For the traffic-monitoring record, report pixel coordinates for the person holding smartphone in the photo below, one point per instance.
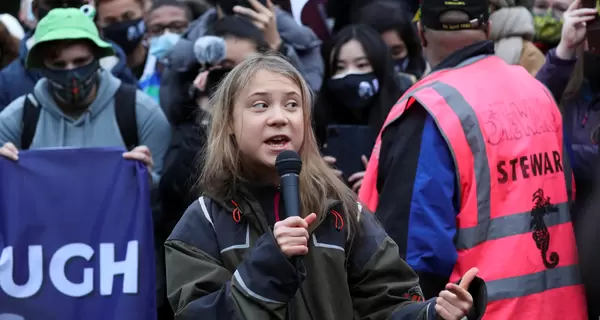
(572, 73)
(298, 43)
(360, 86)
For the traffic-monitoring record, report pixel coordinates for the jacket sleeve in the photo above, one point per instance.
(199, 285)
(555, 74)
(417, 206)
(302, 48)
(11, 122)
(380, 281)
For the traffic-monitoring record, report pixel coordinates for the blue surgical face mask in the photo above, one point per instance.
(161, 45)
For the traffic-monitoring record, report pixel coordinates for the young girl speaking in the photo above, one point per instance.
(230, 256)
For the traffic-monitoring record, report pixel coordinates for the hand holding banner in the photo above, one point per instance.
(75, 236)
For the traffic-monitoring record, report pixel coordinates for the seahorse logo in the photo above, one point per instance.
(541, 235)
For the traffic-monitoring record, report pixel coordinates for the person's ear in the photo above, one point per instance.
(421, 32)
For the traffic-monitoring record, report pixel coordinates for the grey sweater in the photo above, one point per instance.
(95, 128)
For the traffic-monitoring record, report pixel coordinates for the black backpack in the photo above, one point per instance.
(124, 113)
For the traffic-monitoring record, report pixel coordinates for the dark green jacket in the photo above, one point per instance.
(221, 265)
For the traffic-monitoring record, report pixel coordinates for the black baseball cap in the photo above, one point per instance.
(431, 10)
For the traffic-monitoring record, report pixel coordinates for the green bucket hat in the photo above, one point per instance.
(65, 24)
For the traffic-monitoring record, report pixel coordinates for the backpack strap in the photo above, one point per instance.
(31, 115)
(125, 105)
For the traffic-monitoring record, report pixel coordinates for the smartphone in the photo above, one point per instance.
(227, 5)
(347, 144)
(593, 27)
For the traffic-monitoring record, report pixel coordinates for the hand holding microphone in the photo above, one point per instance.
(291, 233)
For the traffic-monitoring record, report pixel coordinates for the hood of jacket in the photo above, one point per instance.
(510, 26)
(116, 64)
(108, 86)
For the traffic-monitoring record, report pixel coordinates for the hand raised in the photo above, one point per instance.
(574, 29)
(264, 18)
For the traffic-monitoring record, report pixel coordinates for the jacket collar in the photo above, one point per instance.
(480, 48)
(245, 200)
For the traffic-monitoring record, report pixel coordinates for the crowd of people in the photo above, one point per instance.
(449, 148)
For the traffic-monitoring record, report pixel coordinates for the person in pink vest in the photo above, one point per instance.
(469, 171)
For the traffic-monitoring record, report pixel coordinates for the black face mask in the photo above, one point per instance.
(401, 64)
(127, 34)
(356, 90)
(73, 87)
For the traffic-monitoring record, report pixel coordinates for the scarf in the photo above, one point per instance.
(510, 26)
(149, 82)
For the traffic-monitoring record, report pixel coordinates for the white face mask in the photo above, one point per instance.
(160, 46)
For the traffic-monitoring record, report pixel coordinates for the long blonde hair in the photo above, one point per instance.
(222, 166)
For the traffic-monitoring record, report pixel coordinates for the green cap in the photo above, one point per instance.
(65, 24)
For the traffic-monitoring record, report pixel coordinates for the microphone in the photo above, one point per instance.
(288, 165)
(209, 50)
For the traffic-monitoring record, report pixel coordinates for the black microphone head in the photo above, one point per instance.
(287, 162)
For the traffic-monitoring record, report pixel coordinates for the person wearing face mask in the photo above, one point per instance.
(122, 21)
(513, 33)
(283, 34)
(79, 104)
(359, 88)
(241, 39)
(166, 21)
(394, 24)
(573, 76)
(16, 80)
(548, 20)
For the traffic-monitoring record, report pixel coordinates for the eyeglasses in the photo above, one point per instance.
(175, 27)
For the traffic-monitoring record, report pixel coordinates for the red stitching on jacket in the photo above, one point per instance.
(237, 213)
